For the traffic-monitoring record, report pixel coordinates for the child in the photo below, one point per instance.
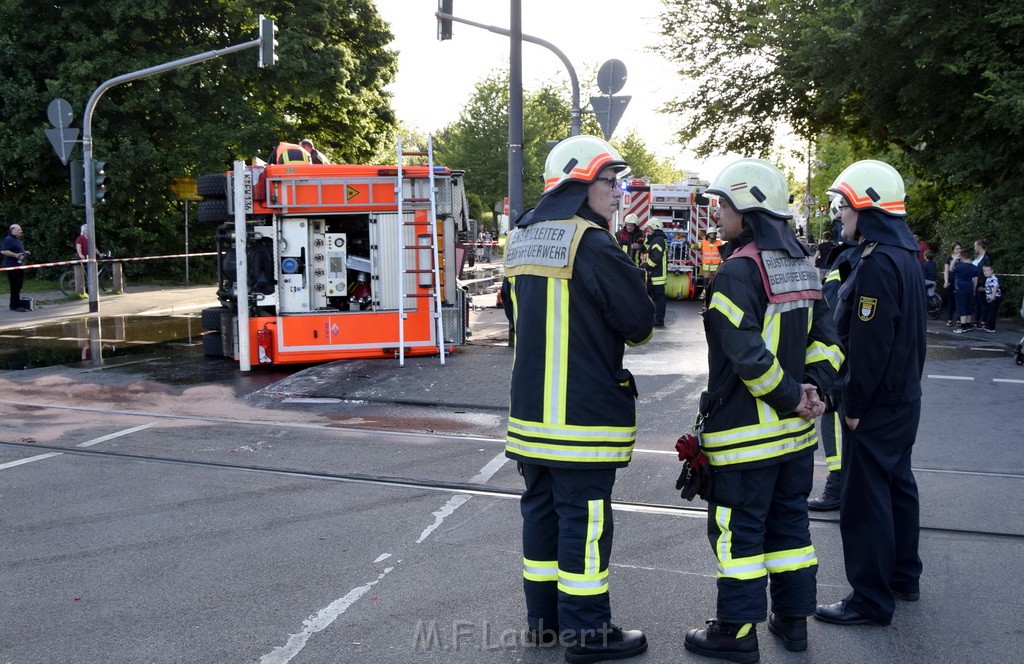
(930, 271)
(993, 296)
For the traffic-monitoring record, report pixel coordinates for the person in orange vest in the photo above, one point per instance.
(710, 259)
(288, 153)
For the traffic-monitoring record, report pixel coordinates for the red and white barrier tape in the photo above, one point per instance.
(103, 260)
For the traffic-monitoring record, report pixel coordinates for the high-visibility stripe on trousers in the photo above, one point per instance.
(567, 540)
(758, 527)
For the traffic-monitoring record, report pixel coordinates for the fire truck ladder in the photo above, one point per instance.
(434, 290)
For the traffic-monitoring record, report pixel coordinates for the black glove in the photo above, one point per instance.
(696, 478)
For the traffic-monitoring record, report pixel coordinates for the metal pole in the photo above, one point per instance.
(90, 182)
(186, 240)
(515, 112)
(575, 113)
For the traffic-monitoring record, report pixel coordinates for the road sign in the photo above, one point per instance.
(609, 111)
(184, 189)
(62, 137)
(611, 77)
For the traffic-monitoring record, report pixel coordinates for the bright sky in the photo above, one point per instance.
(436, 79)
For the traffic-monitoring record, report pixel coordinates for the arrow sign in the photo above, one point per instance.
(609, 111)
(62, 138)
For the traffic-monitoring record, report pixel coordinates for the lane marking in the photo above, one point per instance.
(321, 621)
(382, 557)
(310, 400)
(940, 377)
(493, 466)
(454, 503)
(12, 464)
(988, 349)
(1008, 380)
(116, 434)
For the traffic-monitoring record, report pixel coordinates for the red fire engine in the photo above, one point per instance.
(686, 216)
(341, 261)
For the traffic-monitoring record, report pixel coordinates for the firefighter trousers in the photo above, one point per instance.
(657, 295)
(759, 530)
(830, 435)
(567, 540)
(879, 511)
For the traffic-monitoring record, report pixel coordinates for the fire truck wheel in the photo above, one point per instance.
(213, 185)
(212, 211)
(213, 344)
(212, 318)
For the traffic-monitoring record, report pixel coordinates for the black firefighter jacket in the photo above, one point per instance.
(759, 353)
(574, 299)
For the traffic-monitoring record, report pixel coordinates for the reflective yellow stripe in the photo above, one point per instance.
(833, 275)
(598, 433)
(750, 567)
(595, 528)
(790, 560)
(727, 307)
(556, 351)
(569, 453)
(820, 352)
(583, 584)
(767, 381)
(834, 461)
(800, 439)
(540, 570)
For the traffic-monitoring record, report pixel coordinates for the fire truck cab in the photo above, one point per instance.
(341, 261)
(686, 217)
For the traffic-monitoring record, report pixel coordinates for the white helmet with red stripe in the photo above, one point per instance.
(753, 184)
(580, 159)
(870, 184)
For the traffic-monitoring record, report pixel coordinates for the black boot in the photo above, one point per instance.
(610, 643)
(829, 499)
(736, 642)
(792, 631)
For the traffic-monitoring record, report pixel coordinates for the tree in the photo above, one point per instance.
(937, 87)
(329, 85)
(644, 163)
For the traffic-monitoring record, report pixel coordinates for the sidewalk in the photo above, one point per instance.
(135, 301)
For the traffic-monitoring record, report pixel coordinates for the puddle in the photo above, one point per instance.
(92, 341)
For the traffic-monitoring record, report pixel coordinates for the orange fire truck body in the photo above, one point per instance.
(342, 261)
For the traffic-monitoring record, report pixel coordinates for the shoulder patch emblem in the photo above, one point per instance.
(866, 310)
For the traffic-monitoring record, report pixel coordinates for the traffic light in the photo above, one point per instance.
(444, 25)
(99, 180)
(78, 182)
(268, 42)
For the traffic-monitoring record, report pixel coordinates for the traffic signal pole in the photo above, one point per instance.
(92, 280)
(515, 120)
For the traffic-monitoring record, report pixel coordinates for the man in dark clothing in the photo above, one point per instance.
(14, 255)
(657, 269)
(772, 346)
(315, 156)
(881, 322)
(574, 300)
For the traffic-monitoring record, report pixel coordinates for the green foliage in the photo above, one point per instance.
(328, 85)
(934, 87)
(645, 163)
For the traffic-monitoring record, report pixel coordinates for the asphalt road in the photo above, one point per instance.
(166, 509)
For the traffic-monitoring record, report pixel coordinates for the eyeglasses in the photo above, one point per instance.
(612, 182)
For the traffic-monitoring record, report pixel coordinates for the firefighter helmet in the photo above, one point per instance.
(580, 159)
(654, 224)
(753, 184)
(870, 183)
(631, 219)
(713, 230)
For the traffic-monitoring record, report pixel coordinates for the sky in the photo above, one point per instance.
(436, 79)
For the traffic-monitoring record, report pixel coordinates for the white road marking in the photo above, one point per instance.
(12, 464)
(989, 350)
(940, 377)
(488, 471)
(321, 621)
(116, 434)
(454, 503)
(1008, 380)
(382, 557)
(310, 400)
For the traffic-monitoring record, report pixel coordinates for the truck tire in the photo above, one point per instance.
(212, 211)
(213, 185)
(213, 344)
(212, 318)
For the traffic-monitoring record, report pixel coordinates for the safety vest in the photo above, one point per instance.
(290, 153)
(574, 305)
(710, 258)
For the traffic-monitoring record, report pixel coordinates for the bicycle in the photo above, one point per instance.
(105, 276)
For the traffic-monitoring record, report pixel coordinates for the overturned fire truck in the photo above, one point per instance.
(686, 216)
(341, 261)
